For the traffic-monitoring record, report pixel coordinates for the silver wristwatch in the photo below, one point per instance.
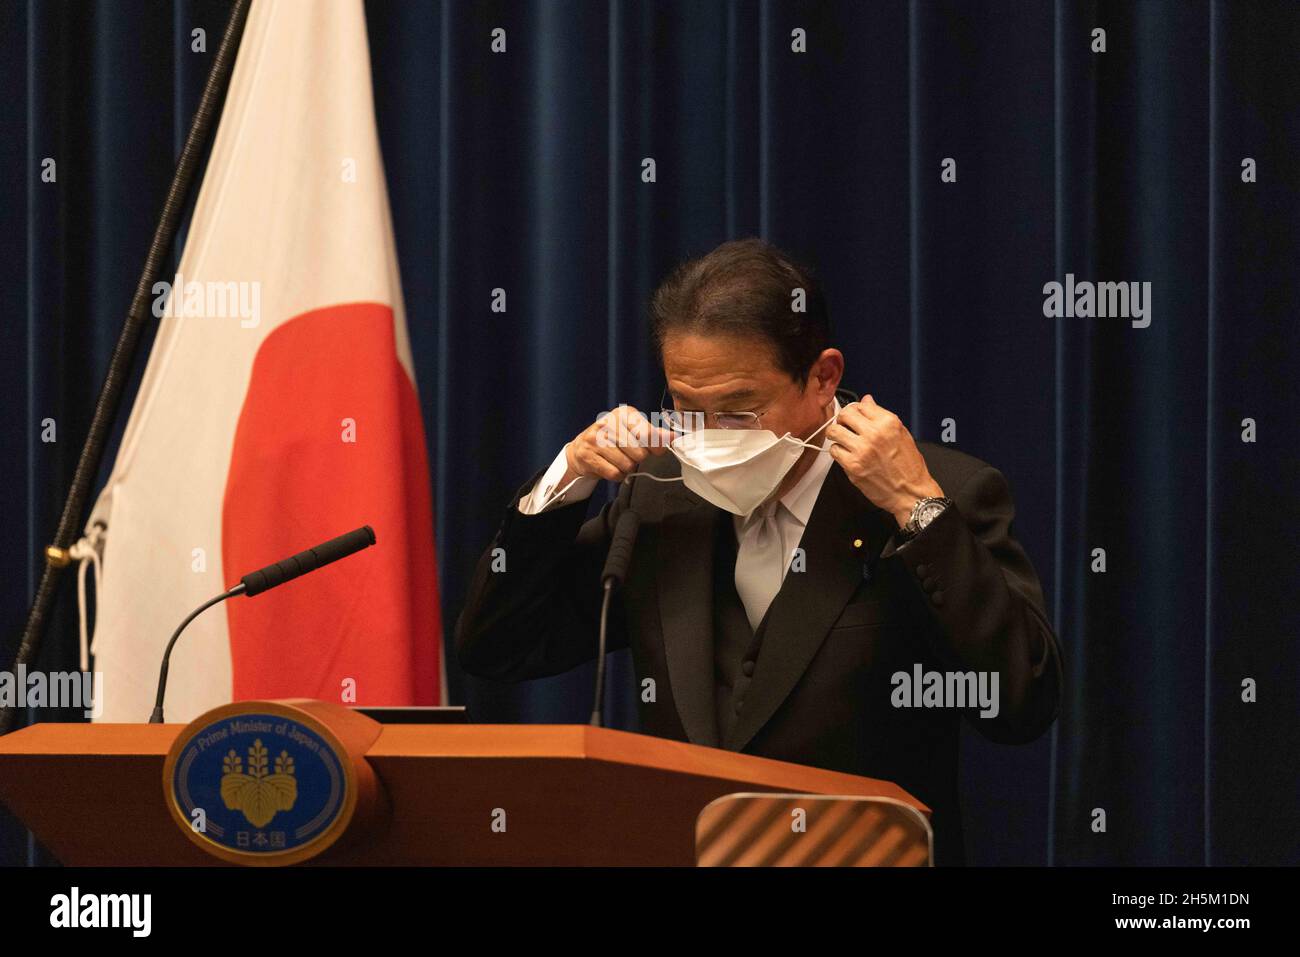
(923, 513)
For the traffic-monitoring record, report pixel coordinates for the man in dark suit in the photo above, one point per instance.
(812, 560)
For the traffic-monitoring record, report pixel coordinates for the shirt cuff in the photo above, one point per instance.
(545, 495)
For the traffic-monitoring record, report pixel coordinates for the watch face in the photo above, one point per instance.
(926, 513)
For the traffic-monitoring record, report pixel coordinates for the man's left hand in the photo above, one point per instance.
(880, 458)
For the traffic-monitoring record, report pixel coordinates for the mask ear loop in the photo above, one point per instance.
(558, 493)
(806, 444)
(784, 438)
(657, 478)
(679, 478)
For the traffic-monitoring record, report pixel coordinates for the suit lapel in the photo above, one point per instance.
(685, 592)
(809, 602)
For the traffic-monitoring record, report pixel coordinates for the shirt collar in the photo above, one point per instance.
(799, 501)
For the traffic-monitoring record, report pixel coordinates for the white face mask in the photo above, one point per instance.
(737, 469)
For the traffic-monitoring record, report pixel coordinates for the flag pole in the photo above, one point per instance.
(57, 555)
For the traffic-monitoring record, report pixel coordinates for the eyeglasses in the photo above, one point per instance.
(690, 421)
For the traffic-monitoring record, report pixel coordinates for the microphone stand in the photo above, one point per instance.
(157, 716)
(616, 564)
(599, 705)
(264, 579)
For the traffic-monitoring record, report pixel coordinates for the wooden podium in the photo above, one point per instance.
(93, 794)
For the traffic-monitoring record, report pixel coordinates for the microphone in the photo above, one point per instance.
(263, 579)
(615, 570)
(313, 558)
(620, 549)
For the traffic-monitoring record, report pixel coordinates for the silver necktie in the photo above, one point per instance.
(759, 564)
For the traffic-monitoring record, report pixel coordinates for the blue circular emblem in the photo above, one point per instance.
(258, 784)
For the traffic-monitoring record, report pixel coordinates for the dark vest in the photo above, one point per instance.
(735, 643)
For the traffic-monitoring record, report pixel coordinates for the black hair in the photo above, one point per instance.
(745, 288)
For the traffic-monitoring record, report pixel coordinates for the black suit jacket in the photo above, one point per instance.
(961, 596)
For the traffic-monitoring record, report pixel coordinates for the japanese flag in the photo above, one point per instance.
(278, 410)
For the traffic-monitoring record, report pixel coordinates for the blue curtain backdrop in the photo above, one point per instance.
(522, 170)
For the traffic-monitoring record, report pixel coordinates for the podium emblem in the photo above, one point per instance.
(259, 783)
(258, 793)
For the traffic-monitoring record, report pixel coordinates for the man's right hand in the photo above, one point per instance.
(614, 445)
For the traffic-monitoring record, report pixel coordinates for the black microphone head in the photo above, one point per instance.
(290, 568)
(620, 548)
(629, 523)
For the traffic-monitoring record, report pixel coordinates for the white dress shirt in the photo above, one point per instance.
(545, 495)
(792, 513)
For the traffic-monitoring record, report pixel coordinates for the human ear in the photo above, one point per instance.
(826, 373)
